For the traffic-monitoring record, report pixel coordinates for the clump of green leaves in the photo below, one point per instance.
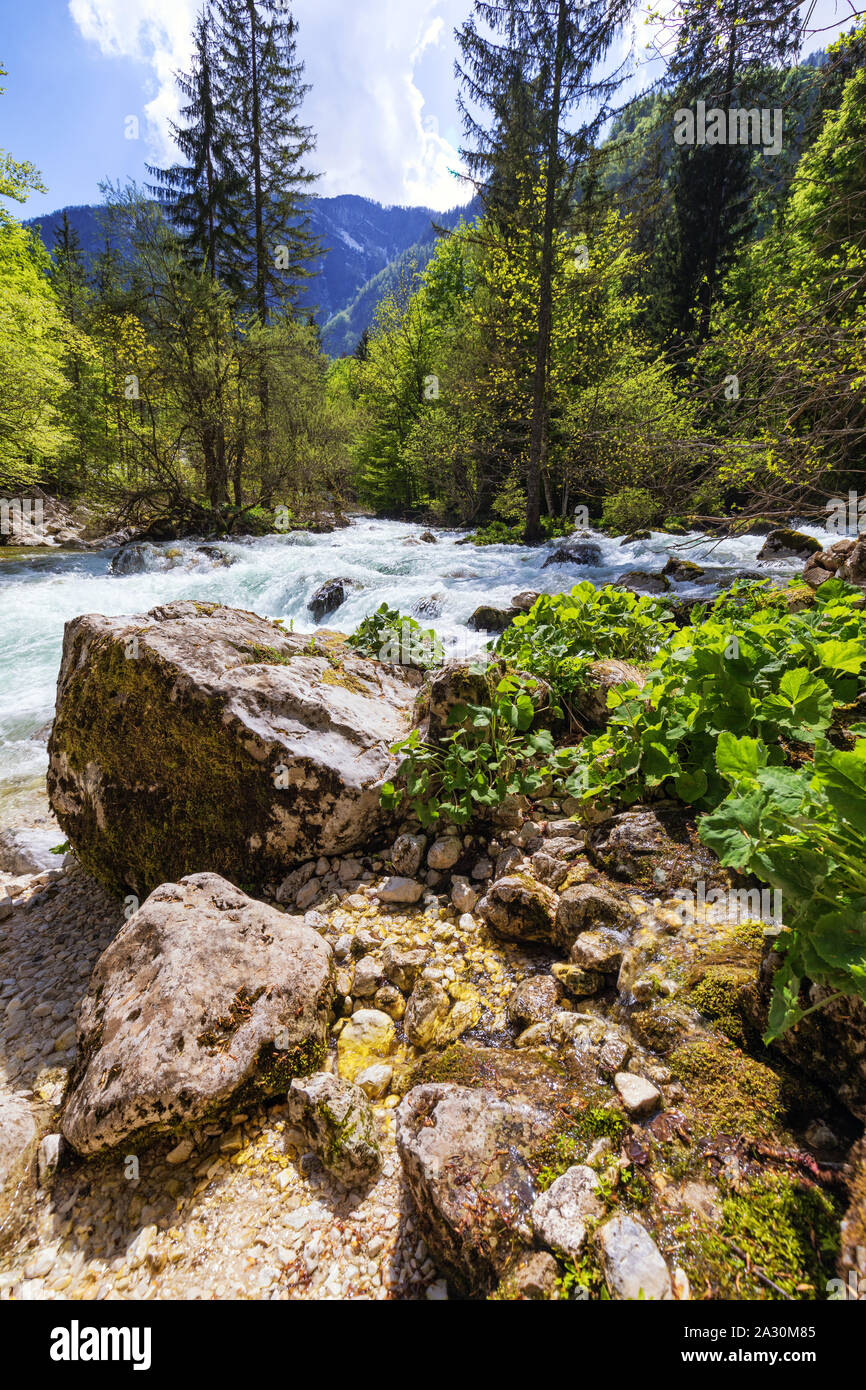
(389, 635)
(756, 671)
(802, 831)
(491, 754)
(563, 634)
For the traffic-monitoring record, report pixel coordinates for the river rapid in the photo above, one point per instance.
(276, 576)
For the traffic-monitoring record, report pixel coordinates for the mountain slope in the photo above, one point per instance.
(360, 238)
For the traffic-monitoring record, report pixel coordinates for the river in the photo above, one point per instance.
(275, 576)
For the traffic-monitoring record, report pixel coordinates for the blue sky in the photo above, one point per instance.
(382, 101)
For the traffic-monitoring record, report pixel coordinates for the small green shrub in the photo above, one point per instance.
(630, 509)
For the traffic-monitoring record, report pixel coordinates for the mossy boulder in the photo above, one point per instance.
(785, 544)
(204, 999)
(199, 737)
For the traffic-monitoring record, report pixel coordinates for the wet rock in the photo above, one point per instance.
(402, 967)
(560, 1214)
(158, 715)
(682, 571)
(399, 890)
(519, 908)
(137, 558)
(368, 1037)
(633, 1266)
(652, 845)
(329, 597)
(639, 1096)
(429, 607)
(525, 600)
(597, 951)
(784, 544)
(533, 1001)
(374, 1081)
(407, 853)
(853, 567)
(585, 907)
(490, 619)
(466, 1160)
(578, 982)
(640, 581)
(48, 1158)
(367, 977)
(427, 538)
(575, 553)
(339, 1126)
(204, 996)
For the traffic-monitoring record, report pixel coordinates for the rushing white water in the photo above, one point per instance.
(276, 576)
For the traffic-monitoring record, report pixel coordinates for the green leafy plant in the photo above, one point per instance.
(563, 634)
(490, 755)
(802, 831)
(390, 635)
(757, 671)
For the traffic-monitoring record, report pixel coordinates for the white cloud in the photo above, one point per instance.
(378, 131)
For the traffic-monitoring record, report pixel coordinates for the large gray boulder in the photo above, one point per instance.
(467, 1159)
(205, 998)
(202, 737)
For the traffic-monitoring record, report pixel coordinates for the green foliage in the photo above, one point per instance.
(492, 753)
(630, 509)
(766, 674)
(563, 634)
(802, 831)
(389, 635)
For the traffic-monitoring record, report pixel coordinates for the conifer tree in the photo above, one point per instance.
(260, 91)
(538, 59)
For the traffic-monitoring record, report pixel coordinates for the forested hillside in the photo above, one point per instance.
(651, 324)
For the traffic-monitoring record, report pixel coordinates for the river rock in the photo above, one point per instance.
(519, 908)
(560, 1214)
(525, 600)
(533, 1001)
(339, 1126)
(466, 1159)
(399, 890)
(652, 845)
(784, 544)
(444, 853)
(642, 582)
(575, 553)
(633, 1266)
(639, 1096)
(204, 998)
(488, 618)
(584, 907)
(199, 737)
(426, 1012)
(853, 567)
(329, 597)
(407, 852)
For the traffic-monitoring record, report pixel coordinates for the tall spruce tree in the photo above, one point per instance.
(722, 53)
(534, 66)
(199, 195)
(260, 91)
